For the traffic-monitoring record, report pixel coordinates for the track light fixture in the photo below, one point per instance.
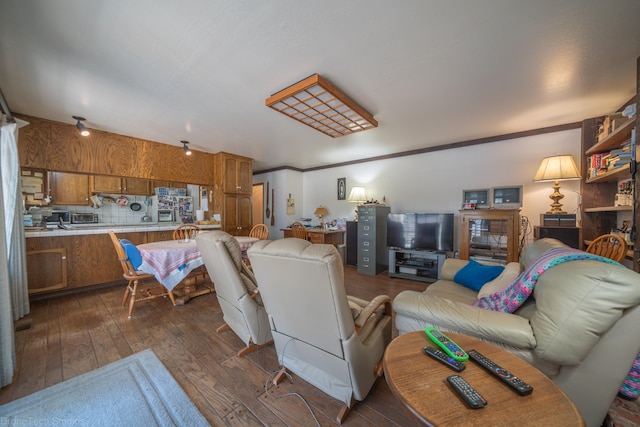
(185, 147)
(83, 130)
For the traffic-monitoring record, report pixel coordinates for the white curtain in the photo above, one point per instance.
(14, 295)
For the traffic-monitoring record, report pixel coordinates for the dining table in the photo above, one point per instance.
(171, 262)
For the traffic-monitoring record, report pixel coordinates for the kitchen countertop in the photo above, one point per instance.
(80, 229)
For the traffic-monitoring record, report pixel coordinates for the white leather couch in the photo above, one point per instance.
(580, 325)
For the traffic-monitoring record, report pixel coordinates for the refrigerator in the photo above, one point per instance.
(182, 207)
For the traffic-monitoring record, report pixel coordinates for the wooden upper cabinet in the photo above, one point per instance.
(117, 185)
(237, 174)
(106, 184)
(137, 186)
(69, 188)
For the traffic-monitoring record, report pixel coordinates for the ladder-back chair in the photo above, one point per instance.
(130, 273)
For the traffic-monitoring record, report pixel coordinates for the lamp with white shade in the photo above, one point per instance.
(357, 195)
(557, 168)
(320, 212)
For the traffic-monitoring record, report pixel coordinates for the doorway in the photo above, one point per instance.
(257, 207)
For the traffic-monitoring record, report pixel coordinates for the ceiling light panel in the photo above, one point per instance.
(317, 103)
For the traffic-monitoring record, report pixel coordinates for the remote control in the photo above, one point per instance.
(512, 381)
(468, 393)
(443, 357)
(446, 344)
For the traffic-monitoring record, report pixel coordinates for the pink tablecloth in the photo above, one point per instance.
(170, 261)
(246, 241)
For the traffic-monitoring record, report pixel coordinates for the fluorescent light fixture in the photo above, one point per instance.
(83, 130)
(185, 147)
(317, 103)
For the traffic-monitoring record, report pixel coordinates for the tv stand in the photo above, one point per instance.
(423, 266)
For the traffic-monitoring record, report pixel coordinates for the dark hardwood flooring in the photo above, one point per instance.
(76, 333)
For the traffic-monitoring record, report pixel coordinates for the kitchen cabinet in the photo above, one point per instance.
(490, 235)
(74, 261)
(69, 188)
(117, 185)
(237, 173)
(159, 236)
(168, 184)
(237, 214)
(47, 270)
(232, 192)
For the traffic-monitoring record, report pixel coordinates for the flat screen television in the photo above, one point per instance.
(420, 231)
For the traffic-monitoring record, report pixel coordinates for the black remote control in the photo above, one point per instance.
(443, 357)
(468, 393)
(511, 380)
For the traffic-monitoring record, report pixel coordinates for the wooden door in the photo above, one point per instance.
(257, 204)
(230, 215)
(230, 184)
(244, 215)
(244, 177)
(69, 188)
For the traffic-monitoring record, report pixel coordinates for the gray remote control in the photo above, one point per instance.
(468, 393)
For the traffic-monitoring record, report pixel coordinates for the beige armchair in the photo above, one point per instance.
(236, 289)
(579, 327)
(327, 338)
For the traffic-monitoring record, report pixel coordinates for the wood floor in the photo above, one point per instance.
(74, 334)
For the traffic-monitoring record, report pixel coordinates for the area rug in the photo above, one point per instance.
(135, 391)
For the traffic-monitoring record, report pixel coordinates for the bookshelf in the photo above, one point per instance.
(600, 215)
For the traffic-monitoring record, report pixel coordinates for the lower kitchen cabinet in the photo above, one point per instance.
(47, 269)
(88, 260)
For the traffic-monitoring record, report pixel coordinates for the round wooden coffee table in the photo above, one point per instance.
(419, 381)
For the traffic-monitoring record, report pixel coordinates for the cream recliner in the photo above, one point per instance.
(580, 326)
(236, 289)
(331, 340)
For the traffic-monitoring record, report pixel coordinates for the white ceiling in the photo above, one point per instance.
(430, 72)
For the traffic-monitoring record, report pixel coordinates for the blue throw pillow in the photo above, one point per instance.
(133, 253)
(475, 275)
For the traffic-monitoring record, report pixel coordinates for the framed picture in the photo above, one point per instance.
(342, 188)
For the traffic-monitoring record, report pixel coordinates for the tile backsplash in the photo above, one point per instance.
(111, 213)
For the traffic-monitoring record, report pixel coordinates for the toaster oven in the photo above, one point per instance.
(84, 218)
(165, 215)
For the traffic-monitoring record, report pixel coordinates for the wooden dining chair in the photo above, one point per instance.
(611, 246)
(132, 293)
(259, 231)
(299, 230)
(186, 231)
(189, 232)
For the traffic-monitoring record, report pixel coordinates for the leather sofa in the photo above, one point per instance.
(579, 327)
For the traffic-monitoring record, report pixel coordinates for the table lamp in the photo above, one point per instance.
(320, 212)
(358, 196)
(556, 169)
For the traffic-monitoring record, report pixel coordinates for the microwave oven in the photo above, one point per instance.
(58, 218)
(165, 215)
